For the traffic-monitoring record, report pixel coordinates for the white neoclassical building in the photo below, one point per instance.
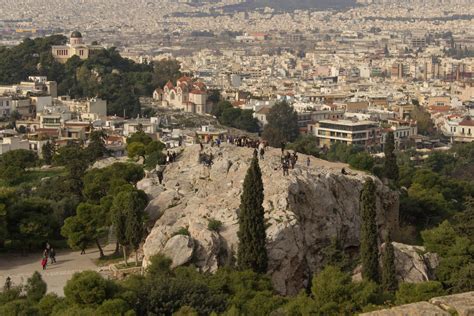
(75, 47)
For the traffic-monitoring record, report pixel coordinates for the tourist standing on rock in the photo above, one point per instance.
(282, 147)
(285, 167)
(160, 175)
(308, 161)
(262, 153)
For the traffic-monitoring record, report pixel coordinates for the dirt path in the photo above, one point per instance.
(19, 268)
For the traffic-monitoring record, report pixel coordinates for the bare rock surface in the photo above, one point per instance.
(413, 264)
(180, 249)
(458, 304)
(304, 210)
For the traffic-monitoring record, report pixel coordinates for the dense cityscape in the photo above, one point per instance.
(237, 157)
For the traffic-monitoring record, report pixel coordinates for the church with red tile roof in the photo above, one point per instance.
(187, 94)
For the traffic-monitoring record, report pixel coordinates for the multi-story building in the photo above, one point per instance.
(5, 106)
(351, 132)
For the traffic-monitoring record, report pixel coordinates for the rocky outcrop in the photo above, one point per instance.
(413, 264)
(458, 304)
(179, 249)
(304, 210)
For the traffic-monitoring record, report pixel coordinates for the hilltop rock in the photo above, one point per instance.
(304, 210)
(458, 304)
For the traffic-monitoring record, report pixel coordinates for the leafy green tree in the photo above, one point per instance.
(389, 274)
(368, 232)
(165, 70)
(362, 161)
(229, 116)
(127, 215)
(31, 221)
(19, 307)
(305, 144)
(136, 150)
(35, 287)
(88, 288)
(113, 307)
(48, 152)
(20, 158)
(415, 292)
(139, 137)
(96, 148)
(47, 304)
(390, 164)
(186, 311)
(154, 146)
(334, 292)
(88, 225)
(220, 107)
(282, 125)
(252, 253)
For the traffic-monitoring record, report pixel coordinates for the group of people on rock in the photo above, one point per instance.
(170, 157)
(50, 253)
(288, 161)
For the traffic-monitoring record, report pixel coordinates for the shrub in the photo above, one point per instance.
(214, 225)
(182, 231)
(411, 292)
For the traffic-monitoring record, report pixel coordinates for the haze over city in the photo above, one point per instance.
(237, 157)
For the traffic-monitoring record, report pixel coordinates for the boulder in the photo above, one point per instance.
(304, 210)
(180, 249)
(413, 264)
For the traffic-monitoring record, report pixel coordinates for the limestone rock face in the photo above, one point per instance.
(180, 249)
(458, 304)
(304, 210)
(412, 264)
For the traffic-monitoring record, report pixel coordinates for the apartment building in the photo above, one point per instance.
(351, 132)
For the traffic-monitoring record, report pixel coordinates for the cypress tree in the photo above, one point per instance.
(48, 152)
(252, 253)
(368, 233)
(389, 278)
(390, 165)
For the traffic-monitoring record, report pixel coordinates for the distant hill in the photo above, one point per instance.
(290, 5)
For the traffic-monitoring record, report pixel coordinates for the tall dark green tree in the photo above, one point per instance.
(282, 125)
(389, 274)
(368, 233)
(48, 152)
(252, 253)
(127, 218)
(390, 165)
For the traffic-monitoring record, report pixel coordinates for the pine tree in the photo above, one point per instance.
(252, 253)
(368, 233)
(390, 166)
(35, 287)
(389, 278)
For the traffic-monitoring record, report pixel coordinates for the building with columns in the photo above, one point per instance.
(75, 47)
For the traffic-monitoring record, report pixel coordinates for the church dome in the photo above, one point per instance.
(76, 34)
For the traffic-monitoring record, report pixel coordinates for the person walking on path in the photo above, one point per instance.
(44, 262)
(52, 255)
